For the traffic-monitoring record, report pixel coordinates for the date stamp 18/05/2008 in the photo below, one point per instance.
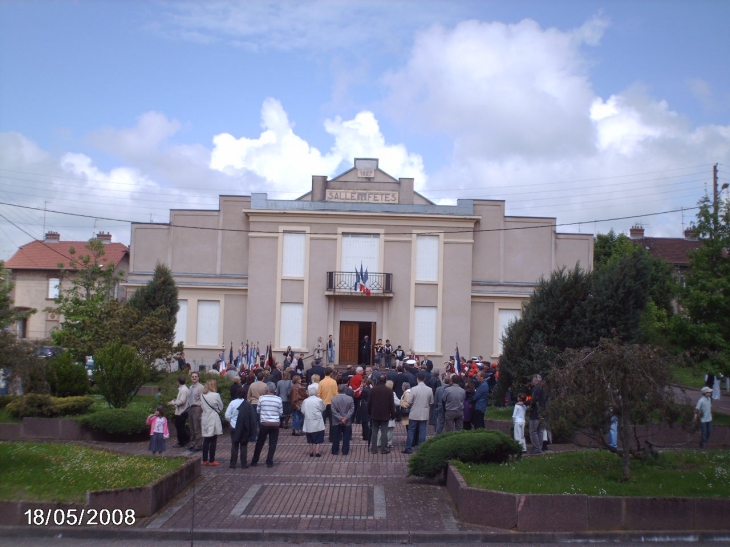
(80, 517)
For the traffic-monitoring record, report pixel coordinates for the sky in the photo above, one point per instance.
(601, 114)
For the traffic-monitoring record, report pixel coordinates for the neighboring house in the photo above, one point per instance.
(289, 271)
(674, 250)
(36, 278)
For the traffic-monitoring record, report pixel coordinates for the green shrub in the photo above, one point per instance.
(119, 372)
(116, 421)
(6, 399)
(71, 406)
(33, 405)
(478, 446)
(65, 377)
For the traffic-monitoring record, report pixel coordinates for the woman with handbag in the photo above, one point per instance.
(405, 404)
(212, 404)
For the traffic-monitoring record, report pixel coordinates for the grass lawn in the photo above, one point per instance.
(147, 403)
(686, 376)
(685, 473)
(501, 413)
(65, 472)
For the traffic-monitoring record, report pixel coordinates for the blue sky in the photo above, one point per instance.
(578, 110)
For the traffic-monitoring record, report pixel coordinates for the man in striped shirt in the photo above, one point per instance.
(270, 410)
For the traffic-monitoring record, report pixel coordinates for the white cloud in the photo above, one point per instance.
(527, 127)
(287, 162)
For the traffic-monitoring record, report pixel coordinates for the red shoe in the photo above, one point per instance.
(213, 463)
(205, 463)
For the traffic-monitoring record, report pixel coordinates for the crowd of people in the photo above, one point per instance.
(320, 401)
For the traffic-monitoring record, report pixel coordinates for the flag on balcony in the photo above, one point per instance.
(457, 359)
(230, 354)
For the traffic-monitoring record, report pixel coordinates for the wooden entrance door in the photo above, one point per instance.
(349, 343)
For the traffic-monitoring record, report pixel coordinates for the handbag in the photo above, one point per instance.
(405, 406)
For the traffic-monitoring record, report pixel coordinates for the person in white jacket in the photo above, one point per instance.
(313, 409)
(212, 404)
(518, 419)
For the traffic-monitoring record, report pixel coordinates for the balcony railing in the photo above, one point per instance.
(375, 284)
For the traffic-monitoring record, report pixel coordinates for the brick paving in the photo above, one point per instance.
(357, 492)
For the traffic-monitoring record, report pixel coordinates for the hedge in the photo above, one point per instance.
(35, 405)
(117, 421)
(475, 446)
(5, 400)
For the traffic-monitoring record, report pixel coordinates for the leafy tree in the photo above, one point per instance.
(703, 325)
(88, 303)
(575, 309)
(17, 357)
(66, 378)
(119, 372)
(630, 381)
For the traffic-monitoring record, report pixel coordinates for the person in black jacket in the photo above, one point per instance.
(381, 409)
(365, 351)
(245, 430)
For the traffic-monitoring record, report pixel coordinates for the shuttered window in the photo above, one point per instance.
(505, 318)
(293, 254)
(427, 258)
(424, 329)
(209, 322)
(360, 250)
(290, 325)
(181, 322)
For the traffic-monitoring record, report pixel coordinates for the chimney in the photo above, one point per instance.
(636, 232)
(104, 237)
(52, 237)
(690, 233)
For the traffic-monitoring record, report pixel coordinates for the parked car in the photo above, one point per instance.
(46, 352)
(89, 366)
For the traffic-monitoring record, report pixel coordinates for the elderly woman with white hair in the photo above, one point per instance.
(313, 408)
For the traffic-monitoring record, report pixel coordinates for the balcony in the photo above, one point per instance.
(353, 284)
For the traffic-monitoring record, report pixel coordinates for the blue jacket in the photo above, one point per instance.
(480, 397)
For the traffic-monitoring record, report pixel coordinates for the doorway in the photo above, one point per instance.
(351, 334)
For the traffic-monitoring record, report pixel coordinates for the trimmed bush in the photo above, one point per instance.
(476, 446)
(116, 421)
(71, 406)
(33, 405)
(65, 377)
(6, 399)
(119, 372)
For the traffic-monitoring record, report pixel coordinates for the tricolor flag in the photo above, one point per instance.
(457, 364)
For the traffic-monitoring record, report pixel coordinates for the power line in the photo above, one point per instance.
(389, 233)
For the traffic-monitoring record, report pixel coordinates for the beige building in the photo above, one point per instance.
(36, 276)
(360, 254)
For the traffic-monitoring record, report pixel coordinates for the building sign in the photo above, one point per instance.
(361, 196)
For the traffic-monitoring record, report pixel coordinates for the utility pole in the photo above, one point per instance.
(714, 193)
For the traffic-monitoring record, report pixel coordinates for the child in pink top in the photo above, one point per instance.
(158, 430)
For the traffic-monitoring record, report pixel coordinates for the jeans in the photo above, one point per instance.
(382, 426)
(413, 425)
(297, 420)
(272, 432)
(536, 430)
(331, 355)
(440, 419)
(388, 360)
(453, 420)
(706, 429)
(209, 444)
(345, 433)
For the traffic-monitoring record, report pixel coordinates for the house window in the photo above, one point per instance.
(54, 285)
(290, 325)
(505, 318)
(424, 329)
(208, 322)
(427, 258)
(293, 254)
(22, 328)
(181, 322)
(360, 251)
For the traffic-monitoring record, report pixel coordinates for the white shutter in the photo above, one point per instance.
(290, 325)
(208, 322)
(360, 249)
(53, 287)
(427, 258)
(181, 322)
(293, 252)
(424, 329)
(505, 318)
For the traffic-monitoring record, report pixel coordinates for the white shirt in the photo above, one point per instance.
(518, 415)
(232, 411)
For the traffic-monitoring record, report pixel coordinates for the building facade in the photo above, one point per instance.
(360, 254)
(36, 275)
